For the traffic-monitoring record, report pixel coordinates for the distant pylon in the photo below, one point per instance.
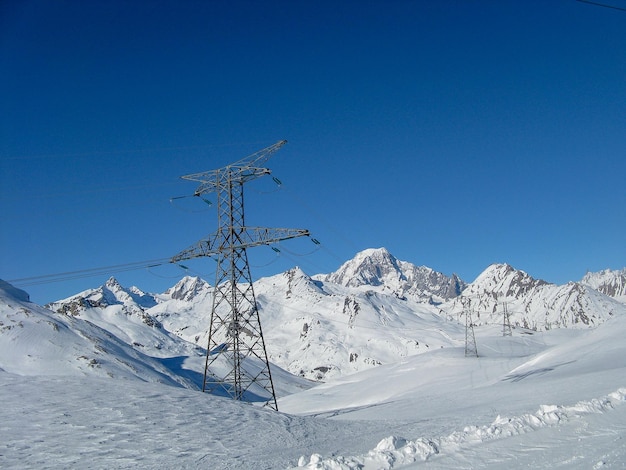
(506, 321)
(236, 359)
(470, 338)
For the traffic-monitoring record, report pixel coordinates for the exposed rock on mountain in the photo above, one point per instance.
(132, 302)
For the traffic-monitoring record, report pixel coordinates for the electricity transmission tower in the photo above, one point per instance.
(470, 338)
(236, 361)
(506, 321)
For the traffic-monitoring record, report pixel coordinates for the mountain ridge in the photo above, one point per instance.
(377, 267)
(611, 282)
(532, 303)
(374, 309)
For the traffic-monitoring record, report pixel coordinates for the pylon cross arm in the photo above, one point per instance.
(246, 237)
(224, 178)
(241, 171)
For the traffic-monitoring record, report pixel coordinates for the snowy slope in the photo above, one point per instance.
(313, 328)
(531, 303)
(337, 324)
(321, 330)
(125, 314)
(434, 403)
(422, 406)
(128, 315)
(318, 330)
(34, 341)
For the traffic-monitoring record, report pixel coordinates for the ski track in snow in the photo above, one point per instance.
(398, 452)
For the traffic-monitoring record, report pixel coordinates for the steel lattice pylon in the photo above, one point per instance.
(236, 359)
(470, 338)
(506, 321)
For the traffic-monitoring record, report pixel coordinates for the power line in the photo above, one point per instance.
(119, 152)
(602, 5)
(111, 269)
(84, 273)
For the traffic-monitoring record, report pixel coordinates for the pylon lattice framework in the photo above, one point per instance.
(470, 338)
(506, 321)
(236, 361)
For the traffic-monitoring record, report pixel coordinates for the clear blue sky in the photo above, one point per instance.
(454, 133)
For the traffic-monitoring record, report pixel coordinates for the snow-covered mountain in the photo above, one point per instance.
(188, 289)
(438, 409)
(314, 329)
(531, 303)
(125, 313)
(373, 310)
(608, 281)
(321, 330)
(35, 341)
(377, 269)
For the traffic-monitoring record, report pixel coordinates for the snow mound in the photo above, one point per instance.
(394, 451)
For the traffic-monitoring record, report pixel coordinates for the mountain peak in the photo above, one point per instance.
(112, 292)
(377, 268)
(113, 284)
(532, 303)
(501, 271)
(109, 293)
(188, 288)
(296, 272)
(13, 292)
(368, 267)
(379, 253)
(608, 281)
(504, 280)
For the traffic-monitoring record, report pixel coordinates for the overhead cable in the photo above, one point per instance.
(82, 273)
(602, 5)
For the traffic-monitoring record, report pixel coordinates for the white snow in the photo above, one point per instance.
(445, 408)
(103, 388)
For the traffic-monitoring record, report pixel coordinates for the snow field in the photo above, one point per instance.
(394, 451)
